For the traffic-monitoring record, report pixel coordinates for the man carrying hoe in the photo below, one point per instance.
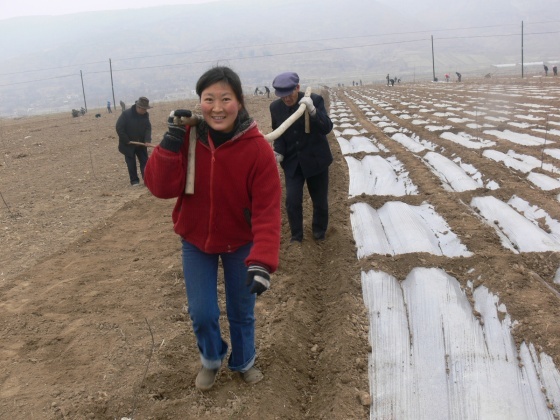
(134, 126)
(304, 157)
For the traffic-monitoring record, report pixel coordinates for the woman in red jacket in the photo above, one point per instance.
(233, 215)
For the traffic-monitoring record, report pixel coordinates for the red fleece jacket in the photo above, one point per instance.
(236, 196)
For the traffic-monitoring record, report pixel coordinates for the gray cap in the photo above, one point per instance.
(285, 83)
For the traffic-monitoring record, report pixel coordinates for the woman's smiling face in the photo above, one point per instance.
(220, 106)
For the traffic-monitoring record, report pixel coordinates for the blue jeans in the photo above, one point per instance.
(201, 280)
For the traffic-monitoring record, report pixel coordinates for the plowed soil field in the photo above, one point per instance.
(92, 301)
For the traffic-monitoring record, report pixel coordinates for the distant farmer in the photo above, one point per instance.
(304, 157)
(267, 90)
(545, 69)
(446, 77)
(123, 106)
(109, 107)
(257, 91)
(134, 125)
(388, 78)
(555, 70)
(458, 76)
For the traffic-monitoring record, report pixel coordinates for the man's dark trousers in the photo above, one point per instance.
(318, 187)
(142, 153)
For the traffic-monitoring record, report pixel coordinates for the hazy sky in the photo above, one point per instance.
(14, 8)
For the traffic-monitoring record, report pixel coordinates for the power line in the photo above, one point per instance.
(493, 36)
(308, 51)
(283, 43)
(51, 68)
(221, 59)
(269, 55)
(273, 44)
(544, 21)
(285, 53)
(40, 80)
(541, 33)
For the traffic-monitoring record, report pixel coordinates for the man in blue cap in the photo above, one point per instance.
(304, 157)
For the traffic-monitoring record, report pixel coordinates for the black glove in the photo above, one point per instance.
(175, 136)
(181, 113)
(258, 279)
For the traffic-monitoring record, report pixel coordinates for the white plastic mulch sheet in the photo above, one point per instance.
(517, 232)
(433, 359)
(356, 144)
(413, 143)
(519, 162)
(547, 132)
(519, 138)
(374, 175)
(544, 182)
(453, 177)
(555, 153)
(399, 228)
(536, 215)
(438, 127)
(467, 140)
(346, 132)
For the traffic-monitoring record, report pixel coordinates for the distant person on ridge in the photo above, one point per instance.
(458, 76)
(123, 106)
(545, 69)
(134, 125)
(388, 78)
(555, 70)
(267, 90)
(109, 107)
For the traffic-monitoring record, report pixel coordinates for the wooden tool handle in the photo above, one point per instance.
(284, 126)
(307, 128)
(189, 186)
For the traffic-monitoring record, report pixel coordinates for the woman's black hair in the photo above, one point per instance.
(221, 74)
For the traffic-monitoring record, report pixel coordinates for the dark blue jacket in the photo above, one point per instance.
(311, 151)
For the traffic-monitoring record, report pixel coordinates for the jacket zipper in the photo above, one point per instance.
(211, 210)
(212, 162)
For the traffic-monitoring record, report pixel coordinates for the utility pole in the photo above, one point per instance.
(433, 62)
(83, 90)
(522, 49)
(112, 87)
